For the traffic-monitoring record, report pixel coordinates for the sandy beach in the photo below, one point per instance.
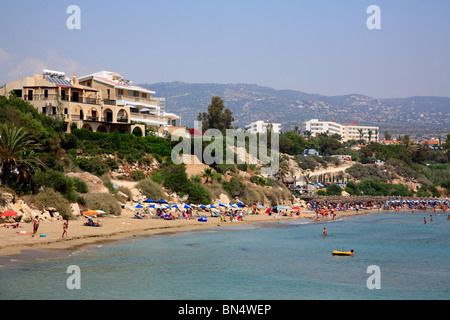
(13, 241)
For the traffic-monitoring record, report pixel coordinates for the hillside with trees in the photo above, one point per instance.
(45, 167)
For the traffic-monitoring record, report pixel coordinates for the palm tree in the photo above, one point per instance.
(360, 134)
(369, 132)
(208, 174)
(17, 154)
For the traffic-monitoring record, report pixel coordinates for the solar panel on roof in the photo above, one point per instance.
(58, 81)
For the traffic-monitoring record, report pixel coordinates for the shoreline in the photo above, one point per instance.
(124, 227)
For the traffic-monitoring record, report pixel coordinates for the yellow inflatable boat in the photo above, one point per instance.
(343, 253)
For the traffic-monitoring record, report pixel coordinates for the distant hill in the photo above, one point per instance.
(420, 117)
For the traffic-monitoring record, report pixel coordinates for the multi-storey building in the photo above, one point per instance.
(346, 131)
(102, 102)
(263, 126)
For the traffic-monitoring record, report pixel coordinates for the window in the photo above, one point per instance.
(46, 93)
(120, 92)
(144, 95)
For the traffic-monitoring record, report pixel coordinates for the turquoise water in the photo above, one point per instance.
(289, 260)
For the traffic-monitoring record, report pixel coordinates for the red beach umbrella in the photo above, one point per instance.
(8, 213)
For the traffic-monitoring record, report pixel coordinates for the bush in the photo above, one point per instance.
(51, 198)
(137, 175)
(198, 194)
(103, 201)
(175, 178)
(54, 179)
(334, 190)
(233, 187)
(151, 189)
(80, 185)
(93, 165)
(157, 177)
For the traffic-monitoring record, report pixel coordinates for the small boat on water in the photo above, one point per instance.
(343, 253)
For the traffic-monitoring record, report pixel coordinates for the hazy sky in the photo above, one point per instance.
(315, 46)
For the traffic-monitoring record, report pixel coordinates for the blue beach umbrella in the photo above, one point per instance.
(222, 205)
(187, 206)
(203, 206)
(161, 201)
(138, 206)
(240, 205)
(149, 200)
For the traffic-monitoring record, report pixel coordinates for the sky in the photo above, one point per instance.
(314, 46)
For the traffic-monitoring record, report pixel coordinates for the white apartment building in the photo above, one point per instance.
(263, 126)
(346, 131)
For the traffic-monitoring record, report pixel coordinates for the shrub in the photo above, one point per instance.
(107, 183)
(157, 177)
(151, 189)
(233, 187)
(198, 194)
(54, 179)
(103, 201)
(51, 198)
(175, 178)
(80, 185)
(334, 190)
(92, 165)
(137, 175)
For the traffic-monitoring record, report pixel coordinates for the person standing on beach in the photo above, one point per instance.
(35, 224)
(65, 227)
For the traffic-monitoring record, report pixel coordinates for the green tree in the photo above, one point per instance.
(217, 116)
(208, 174)
(17, 152)
(334, 190)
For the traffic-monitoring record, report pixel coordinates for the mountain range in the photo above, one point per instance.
(420, 117)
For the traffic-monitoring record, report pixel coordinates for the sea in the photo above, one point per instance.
(397, 257)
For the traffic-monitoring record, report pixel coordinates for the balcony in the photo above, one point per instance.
(54, 97)
(109, 102)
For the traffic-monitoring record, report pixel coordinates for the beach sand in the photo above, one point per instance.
(120, 227)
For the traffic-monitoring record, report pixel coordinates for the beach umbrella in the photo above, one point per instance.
(203, 206)
(211, 206)
(222, 205)
(260, 206)
(8, 213)
(149, 200)
(175, 206)
(139, 206)
(186, 206)
(90, 213)
(241, 205)
(296, 208)
(161, 201)
(101, 211)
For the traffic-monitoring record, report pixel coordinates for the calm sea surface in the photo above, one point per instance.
(285, 260)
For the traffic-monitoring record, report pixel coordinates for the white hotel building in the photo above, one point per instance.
(263, 126)
(346, 131)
